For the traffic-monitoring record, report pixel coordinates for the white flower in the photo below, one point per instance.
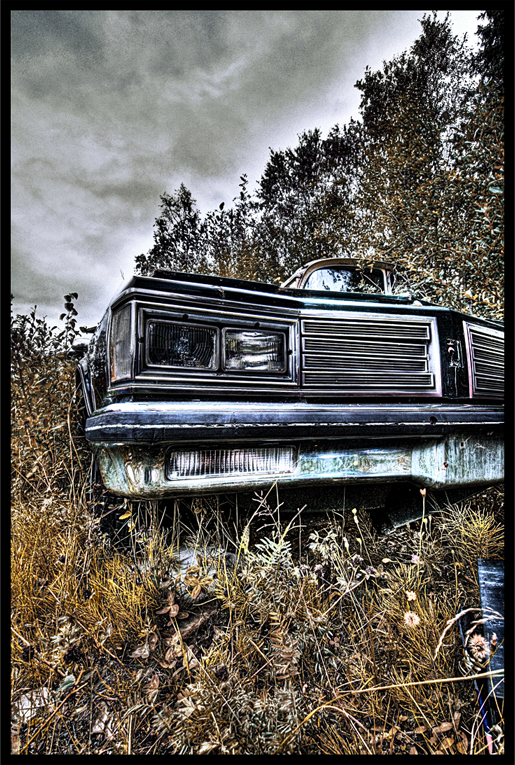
(411, 619)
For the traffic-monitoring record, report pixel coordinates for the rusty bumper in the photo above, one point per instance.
(139, 445)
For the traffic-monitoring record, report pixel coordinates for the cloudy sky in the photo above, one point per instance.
(110, 109)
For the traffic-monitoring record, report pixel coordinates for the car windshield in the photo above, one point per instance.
(346, 279)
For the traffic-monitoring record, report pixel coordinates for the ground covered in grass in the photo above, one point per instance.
(273, 638)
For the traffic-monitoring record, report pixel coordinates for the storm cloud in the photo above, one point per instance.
(110, 109)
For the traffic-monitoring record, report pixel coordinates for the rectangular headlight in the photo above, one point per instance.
(254, 349)
(179, 345)
(267, 460)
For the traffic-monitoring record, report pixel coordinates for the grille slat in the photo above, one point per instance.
(354, 346)
(377, 364)
(352, 328)
(367, 355)
(362, 381)
(486, 359)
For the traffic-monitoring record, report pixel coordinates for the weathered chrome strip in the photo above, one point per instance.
(167, 421)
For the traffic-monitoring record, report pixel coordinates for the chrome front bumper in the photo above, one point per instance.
(429, 445)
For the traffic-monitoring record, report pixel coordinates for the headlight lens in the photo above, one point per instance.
(120, 346)
(179, 345)
(255, 350)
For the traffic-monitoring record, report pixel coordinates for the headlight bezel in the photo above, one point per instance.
(223, 328)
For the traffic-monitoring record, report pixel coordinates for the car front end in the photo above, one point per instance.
(197, 384)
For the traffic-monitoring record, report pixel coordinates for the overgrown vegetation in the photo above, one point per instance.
(417, 180)
(280, 634)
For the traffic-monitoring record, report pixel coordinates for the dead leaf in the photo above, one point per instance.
(443, 727)
(420, 729)
(192, 659)
(174, 648)
(447, 742)
(191, 581)
(170, 608)
(196, 592)
(101, 724)
(141, 652)
(413, 750)
(167, 664)
(30, 704)
(172, 654)
(153, 640)
(198, 622)
(207, 747)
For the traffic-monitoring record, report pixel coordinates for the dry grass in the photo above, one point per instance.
(325, 643)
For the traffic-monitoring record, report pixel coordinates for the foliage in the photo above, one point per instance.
(490, 60)
(178, 236)
(42, 393)
(417, 181)
(429, 195)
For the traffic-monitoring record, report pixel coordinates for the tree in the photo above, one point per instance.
(490, 58)
(295, 195)
(419, 186)
(230, 234)
(179, 237)
(419, 180)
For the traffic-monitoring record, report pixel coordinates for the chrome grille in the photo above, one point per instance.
(369, 355)
(486, 360)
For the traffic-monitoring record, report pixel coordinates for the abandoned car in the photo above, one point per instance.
(205, 385)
